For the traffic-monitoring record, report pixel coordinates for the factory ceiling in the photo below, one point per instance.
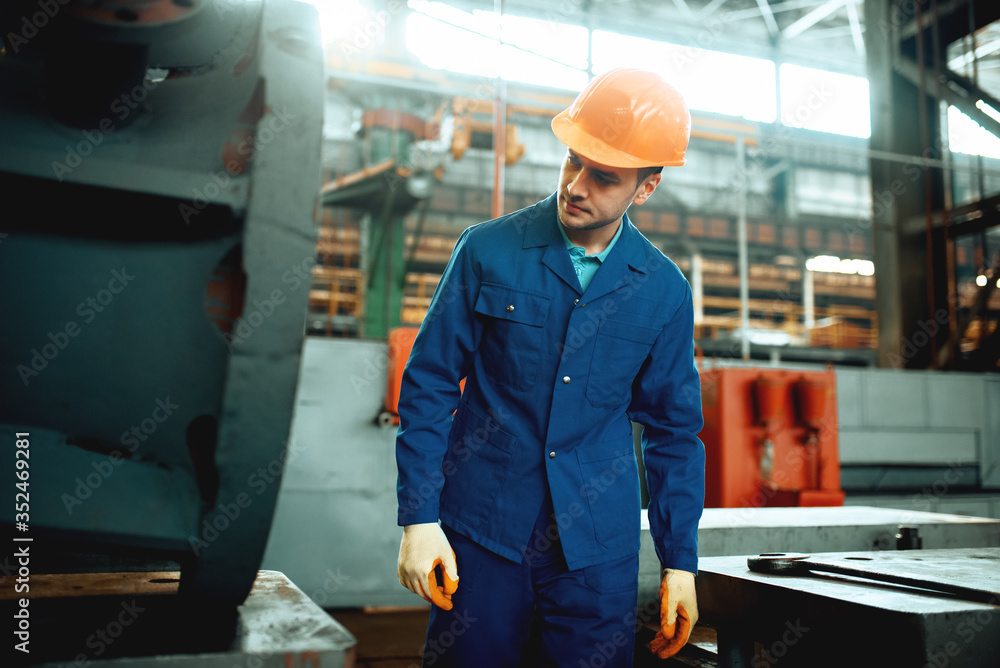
(819, 31)
(826, 34)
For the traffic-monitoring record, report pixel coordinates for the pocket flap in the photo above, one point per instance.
(507, 303)
(620, 329)
(475, 430)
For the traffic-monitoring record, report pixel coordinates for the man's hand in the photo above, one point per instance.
(424, 547)
(678, 612)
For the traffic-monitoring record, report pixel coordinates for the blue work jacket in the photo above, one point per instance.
(554, 377)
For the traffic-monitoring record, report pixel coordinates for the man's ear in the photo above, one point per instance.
(646, 189)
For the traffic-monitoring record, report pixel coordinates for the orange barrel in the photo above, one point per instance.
(768, 393)
(812, 398)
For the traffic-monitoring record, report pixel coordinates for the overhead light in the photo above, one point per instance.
(420, 185)
(834, 265)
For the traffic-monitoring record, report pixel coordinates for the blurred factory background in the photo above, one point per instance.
(288, 182)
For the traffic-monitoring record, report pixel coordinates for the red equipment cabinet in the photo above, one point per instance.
(400, 344)
(770, 437)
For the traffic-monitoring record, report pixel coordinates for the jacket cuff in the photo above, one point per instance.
(422, 515)
(679, 559)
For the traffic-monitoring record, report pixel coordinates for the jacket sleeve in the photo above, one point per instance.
(667, 402)
(442, 355)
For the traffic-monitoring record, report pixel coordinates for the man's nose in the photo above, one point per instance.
(575, 188)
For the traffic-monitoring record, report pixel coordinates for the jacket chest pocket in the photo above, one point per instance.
(620, 348)
(513, 333)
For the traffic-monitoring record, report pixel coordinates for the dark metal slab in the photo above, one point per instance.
(133, 620)
(910, 570)
(826, 620)
(746, 531)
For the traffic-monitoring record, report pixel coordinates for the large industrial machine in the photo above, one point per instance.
(160, 169)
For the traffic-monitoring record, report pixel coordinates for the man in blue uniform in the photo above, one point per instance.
(567, 325)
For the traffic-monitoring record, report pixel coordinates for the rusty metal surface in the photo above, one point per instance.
(277, 626)
(821, 620)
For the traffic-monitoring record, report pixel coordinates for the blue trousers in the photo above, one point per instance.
(582, 619)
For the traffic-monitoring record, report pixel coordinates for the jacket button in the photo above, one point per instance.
(552, 455)
(576, 301)
(566, 379)
(510, 308)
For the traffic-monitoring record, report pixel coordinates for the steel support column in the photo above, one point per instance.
(900, 194)
(741, 223)
(808, 299)
(387, 241)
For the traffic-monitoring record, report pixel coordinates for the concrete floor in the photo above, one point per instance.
(387, 637)
(393, 638)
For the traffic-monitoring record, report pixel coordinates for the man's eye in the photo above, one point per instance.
(600, 178)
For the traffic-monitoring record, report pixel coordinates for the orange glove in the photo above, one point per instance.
(441, 596)
(425, 547)
(675, 620)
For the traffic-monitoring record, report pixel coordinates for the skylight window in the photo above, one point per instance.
(709, 80)
(533, 51)
(554, 54)
(347, 26)
(967, 136)
(825, 101)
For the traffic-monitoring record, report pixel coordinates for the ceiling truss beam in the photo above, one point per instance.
(956, 90)
(765, 11)
(812, 18)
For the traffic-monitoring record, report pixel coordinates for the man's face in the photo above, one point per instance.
(592, 195)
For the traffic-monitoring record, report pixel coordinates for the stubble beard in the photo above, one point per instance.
(596, 225)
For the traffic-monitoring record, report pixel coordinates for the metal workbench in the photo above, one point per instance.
(735, 531)
(831, 620)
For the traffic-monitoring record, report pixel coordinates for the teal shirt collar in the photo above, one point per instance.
(604, 253)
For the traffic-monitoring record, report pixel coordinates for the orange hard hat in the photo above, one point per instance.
(627, 118)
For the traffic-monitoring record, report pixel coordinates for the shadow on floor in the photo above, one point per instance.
(393, 638)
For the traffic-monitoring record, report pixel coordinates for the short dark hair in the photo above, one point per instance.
(644, 173)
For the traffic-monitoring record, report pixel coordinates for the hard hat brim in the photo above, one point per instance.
(597, 150)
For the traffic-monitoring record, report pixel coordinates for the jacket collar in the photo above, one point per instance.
(619, 268)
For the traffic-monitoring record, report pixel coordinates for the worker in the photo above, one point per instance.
(568, 325)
